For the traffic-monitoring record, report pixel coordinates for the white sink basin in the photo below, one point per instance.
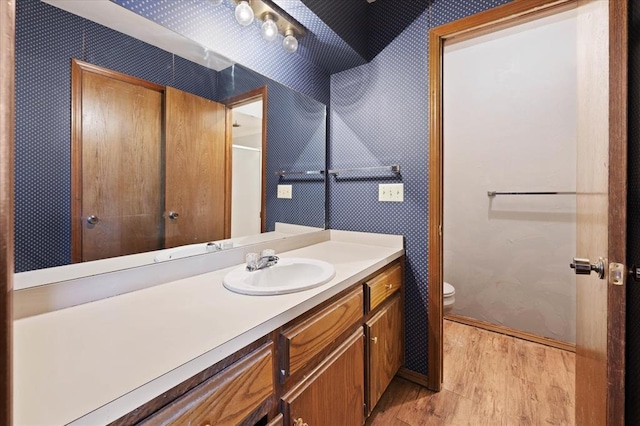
(289, 275)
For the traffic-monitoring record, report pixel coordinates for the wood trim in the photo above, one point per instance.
(228, 138)
(77, 69)
(508, 331)
(511, 14)
(495, 19)
(7, 141)
(259, 93)
(617, 226)
(413, 377)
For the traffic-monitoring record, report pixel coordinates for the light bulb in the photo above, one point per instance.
(290, 43)
(269, 28)
(244, 13)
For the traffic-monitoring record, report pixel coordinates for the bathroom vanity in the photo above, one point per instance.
(191, 351)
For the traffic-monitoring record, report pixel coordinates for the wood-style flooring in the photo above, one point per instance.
(489, 379)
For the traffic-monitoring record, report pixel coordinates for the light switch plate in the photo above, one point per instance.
(393, 192)
(285, 191)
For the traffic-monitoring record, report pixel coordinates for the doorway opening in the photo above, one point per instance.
(247, 134)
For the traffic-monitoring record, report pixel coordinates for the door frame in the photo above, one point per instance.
(508, 15)
(259, 93)
(78, 68)
(501, 17)
(7, 146)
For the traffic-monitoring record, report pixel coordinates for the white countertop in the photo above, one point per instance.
(93, 363)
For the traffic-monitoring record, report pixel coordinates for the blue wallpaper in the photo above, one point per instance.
(379, 115)
(215, 27)
(296, 134)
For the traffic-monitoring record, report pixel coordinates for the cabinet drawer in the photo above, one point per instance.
(304, 341)
(382, 286)
(226, 398)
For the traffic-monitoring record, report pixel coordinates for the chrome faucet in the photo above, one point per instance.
(255, 263)
(211, 247)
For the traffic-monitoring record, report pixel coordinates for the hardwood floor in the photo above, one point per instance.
(489, 379)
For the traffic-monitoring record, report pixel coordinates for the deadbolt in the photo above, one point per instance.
(585, 267)
(92, 220)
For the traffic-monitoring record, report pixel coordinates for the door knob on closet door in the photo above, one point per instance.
(93, 219)
(585, 267)
(173, 215)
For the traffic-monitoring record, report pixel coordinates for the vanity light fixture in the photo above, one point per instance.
(275, 21)
(290, 42)
(269, 29)
(244, 13)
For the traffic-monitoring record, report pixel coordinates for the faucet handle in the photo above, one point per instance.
(268, 253)
(252, 260)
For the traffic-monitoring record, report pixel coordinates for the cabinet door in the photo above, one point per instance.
(196, 164)
(333, 394)
(386, 349)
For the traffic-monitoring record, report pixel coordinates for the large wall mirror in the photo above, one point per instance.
(84, 139)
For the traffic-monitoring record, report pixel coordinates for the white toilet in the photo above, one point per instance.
(449, 293)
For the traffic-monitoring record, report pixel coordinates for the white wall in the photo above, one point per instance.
(510, 125)
(246, 185)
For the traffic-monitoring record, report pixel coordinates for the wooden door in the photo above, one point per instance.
(601, 210)
(386, 351)
(117, 164)
(333, 394)
(195, 176)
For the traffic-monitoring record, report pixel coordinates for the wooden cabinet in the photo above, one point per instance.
(227, 398)
(382, 286)
(385, 349)
(305, 340)
(333, 393)
(333, 362)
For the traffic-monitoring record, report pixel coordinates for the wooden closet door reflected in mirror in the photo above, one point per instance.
(116, 164)
(149, 166)
(196, 157)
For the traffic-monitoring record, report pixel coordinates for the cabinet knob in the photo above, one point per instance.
(299, 422)
(374, 339)
(388, 286)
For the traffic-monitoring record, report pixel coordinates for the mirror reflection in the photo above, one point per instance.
(124, 148)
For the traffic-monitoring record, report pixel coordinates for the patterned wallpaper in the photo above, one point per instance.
(632, 388)
(379, 116)
(215, 27)
(46, 40)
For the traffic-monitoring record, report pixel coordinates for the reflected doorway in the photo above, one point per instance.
(247, 114)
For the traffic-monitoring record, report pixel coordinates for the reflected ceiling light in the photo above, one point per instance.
(269, 29)
(244, 13)
(215, 2)
(275, 21)
(290, 42)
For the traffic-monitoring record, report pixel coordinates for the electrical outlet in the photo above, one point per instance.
(393, 192)
(285, 191)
